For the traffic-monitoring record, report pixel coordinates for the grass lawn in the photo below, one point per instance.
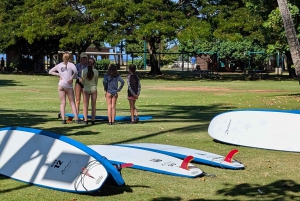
(182, 107)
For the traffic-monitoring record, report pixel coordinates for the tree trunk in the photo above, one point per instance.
(155, 70)
(289, 62)
(290, 34)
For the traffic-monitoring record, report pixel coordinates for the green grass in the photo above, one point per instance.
(182, 107)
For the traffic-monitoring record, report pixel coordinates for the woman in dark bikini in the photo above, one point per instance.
(134, 89)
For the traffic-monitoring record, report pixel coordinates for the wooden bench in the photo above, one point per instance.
(257, 73)
(203, 73)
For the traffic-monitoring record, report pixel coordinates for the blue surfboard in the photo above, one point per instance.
(53, 161)
(117, 118)
(148, 160)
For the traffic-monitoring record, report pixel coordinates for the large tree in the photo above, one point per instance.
(274, 30)
(153, 21)
(69, 21)
(290, 34)
(10, 11)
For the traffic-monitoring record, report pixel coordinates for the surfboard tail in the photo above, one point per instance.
(230, 155)
(186, 161)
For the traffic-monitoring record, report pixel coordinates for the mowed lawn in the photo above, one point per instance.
(182, 107)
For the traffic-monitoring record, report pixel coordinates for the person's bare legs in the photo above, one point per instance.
(70, 94)
(113, 108)
(86, 98)
(132, 109)
(93, 103)
(78, 92)
(62, 97)
(109, 107)
(136, 112)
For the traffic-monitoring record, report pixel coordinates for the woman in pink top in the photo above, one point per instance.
(67, 72)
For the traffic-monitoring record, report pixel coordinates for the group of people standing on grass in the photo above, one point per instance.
(86, 85)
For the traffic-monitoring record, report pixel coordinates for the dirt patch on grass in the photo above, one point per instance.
(221, 89)
(264, 91)
(190, 89)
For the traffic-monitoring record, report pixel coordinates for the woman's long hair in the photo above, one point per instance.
(133, 79)
(132, 68)
(90, 73)
(112, 70)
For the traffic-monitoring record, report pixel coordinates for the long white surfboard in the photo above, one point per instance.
(52, 161)
(276, 130)
(199, 156)
(148, 160)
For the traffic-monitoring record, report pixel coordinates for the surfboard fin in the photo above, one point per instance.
(124, 165)
(230, 155)
(186, 161)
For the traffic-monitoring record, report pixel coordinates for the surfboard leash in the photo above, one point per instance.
(84, 172)
(209, 175)
(221, 159)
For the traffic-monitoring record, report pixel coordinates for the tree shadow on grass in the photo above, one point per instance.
(188, 113)
(15, 188)
(109, 190)
(292, 95)
(183, 130)
(179, 114)
(178, 75)
(167, 199)
(22, 118)
(30, 118)
(5, 83)
(278, 190)
(168, 113)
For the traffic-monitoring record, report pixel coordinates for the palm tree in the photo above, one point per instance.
(291, 35)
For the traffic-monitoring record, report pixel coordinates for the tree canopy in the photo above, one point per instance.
(230, 27)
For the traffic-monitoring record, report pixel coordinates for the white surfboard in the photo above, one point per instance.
(266, 129)
(51, 161)
(199, 156)
(147, 160)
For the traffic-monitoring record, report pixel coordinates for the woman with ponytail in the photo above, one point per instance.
(90, 82)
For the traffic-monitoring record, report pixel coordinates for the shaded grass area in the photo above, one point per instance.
(181, 118)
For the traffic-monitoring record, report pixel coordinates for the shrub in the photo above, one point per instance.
(138, 62)
(102, 64)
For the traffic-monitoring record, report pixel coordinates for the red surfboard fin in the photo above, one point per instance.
(186, 161)
(230, 155)
(124, 165)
